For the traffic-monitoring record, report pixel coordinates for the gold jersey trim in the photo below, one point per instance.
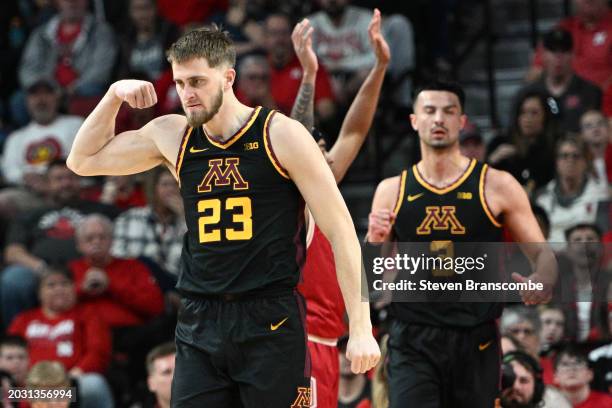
(181, 154)
(448, 188)
(483, 200)
(247, 125)
(268, 145)
(402, 190)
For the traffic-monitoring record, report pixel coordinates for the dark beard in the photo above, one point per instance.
(197, 119)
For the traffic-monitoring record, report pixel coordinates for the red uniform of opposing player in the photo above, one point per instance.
(324, 306)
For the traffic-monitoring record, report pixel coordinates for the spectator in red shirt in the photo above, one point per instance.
(286, 71)
(591, 29)
(60, 330)
(573, 375)
(122, 291)
(123, 192)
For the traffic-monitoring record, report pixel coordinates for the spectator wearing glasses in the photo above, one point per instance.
(573, 375)
(573, 196)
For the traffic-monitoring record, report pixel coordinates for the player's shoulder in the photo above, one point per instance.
(389, 184)
(502, 190)
(500, 180)
(286, 131)
(165, 127)
(387, 192)
(168, 122)
(281, 122)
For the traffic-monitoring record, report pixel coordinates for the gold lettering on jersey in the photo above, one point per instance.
(251, 146)
(303, 398)
(464, 196)
(440, 219)
(223, 173)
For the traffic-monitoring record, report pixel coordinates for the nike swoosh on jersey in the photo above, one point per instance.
(273, 327)
(483, 346)
(414, 197)
(194, 150)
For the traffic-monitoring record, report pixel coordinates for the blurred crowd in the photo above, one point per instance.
(89, 264)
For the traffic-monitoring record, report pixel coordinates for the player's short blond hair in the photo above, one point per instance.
(210, 43)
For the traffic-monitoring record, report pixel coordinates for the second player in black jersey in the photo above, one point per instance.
(447, 354)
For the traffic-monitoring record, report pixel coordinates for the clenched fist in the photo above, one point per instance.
(380, 224)
(363, 352)
(138, 94)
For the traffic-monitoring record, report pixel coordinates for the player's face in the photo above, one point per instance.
(201, 88)
(552, 326)
(523, 387)
(438, 118)
(160, 380)
(572, 372)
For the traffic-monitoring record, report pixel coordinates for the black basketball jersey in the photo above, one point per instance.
(456, 213)
(244, 215)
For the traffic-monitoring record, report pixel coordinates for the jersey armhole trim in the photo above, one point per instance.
(266, 136)
(483, 199)
(400, 193)
(181, 153)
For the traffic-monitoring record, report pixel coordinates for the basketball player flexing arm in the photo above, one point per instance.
(447, 354)
(325, 311)
(242, 204)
